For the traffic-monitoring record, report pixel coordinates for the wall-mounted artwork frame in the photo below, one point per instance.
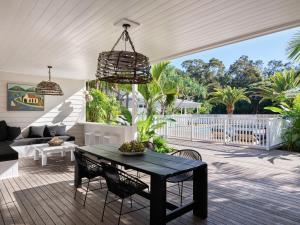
(23, 97)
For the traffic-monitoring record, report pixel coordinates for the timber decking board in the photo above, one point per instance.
(244, 188)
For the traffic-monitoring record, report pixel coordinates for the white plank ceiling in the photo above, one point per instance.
(69, 34)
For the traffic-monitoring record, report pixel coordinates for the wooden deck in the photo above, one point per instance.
(245, 187)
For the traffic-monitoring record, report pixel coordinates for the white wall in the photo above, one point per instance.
(68, 109)
(118, 134)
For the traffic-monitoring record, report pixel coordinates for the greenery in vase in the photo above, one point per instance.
(132, 146)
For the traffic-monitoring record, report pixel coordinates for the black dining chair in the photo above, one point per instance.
(188, 176)
(87, 168)
(122, 185)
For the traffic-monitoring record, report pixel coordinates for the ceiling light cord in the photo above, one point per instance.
(49, 72)
(125, 36)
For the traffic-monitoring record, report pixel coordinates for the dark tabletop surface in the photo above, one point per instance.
(150, 162)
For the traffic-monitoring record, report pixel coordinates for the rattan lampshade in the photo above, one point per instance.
(49, 87)
(124, 67)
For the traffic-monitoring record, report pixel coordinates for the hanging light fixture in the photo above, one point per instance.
(49, 87)
(124, 67)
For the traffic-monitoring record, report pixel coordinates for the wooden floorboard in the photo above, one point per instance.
(246, 186)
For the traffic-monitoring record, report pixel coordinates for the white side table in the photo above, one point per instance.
(45, 149)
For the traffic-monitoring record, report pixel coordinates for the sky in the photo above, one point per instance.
(266, 48)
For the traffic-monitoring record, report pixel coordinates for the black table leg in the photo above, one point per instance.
(200, 191)
(158, 200)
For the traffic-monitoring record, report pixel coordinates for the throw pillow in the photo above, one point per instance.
(61, 130)
(50, 131)
(36, 131)
(13, 132)
(3, 131)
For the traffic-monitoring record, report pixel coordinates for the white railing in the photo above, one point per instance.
(262, 131)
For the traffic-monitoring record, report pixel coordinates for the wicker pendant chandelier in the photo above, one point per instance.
(123, 67)
(49, 87)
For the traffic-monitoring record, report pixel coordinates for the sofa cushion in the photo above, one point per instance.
(33, 141)
(61, 130)
(6, 152)
(50, 131)
(3, 131)
(13, 132)
(36, 131)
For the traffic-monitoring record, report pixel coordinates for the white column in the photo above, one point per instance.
(134, 107)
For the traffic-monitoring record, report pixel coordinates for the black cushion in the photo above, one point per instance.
(36, 131)
(13, 132)
(6, 152)
(61, 130)
(50, 131)
(3, 131)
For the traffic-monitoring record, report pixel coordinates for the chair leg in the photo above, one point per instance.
(179, 191)
(75, 193)
(181, 194)
(87, 189)
(120, 211)
(131, 201)
(100, 184)
(104, 206)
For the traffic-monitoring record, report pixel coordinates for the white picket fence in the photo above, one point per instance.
(259, 131)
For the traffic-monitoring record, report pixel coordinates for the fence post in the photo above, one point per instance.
(166, 129)
(225, 130)
(268, 134)
(192, 128)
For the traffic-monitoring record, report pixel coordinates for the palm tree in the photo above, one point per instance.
(158, 90)
(294, 48)
(276, 86)
(228, 96)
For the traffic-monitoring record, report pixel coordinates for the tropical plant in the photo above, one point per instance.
(229, 96)
(161, 146)
(294, 47)
(291, 134)
(158, 91)
(275, 86)
(106, 109)
(204, 107)
(147, 127)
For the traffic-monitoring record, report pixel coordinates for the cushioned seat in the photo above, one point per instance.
(33, 141)
(6, 152)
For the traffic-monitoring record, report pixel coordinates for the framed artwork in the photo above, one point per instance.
(23, 97)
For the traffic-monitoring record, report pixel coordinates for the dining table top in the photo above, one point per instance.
(150, 162)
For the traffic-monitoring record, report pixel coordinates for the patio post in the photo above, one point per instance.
(134, 106)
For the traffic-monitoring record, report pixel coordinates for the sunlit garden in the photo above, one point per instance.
(246, 87)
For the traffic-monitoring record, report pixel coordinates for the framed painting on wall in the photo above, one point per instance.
(23, 97)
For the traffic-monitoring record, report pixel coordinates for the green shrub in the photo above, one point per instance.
(103, 108)
(160, 145)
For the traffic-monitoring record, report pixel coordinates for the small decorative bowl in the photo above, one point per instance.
(55, 142)
(132, 153)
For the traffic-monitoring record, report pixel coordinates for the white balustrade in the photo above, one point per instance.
(262, 131)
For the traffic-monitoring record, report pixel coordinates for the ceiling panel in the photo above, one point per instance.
(69, 34)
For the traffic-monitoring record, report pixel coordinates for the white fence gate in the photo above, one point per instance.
(262, 131)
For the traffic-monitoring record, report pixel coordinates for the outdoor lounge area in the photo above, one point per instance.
(149, 112)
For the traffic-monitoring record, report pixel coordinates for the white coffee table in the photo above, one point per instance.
(45, 149)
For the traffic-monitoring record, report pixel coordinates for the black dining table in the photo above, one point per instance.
(160, 167)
